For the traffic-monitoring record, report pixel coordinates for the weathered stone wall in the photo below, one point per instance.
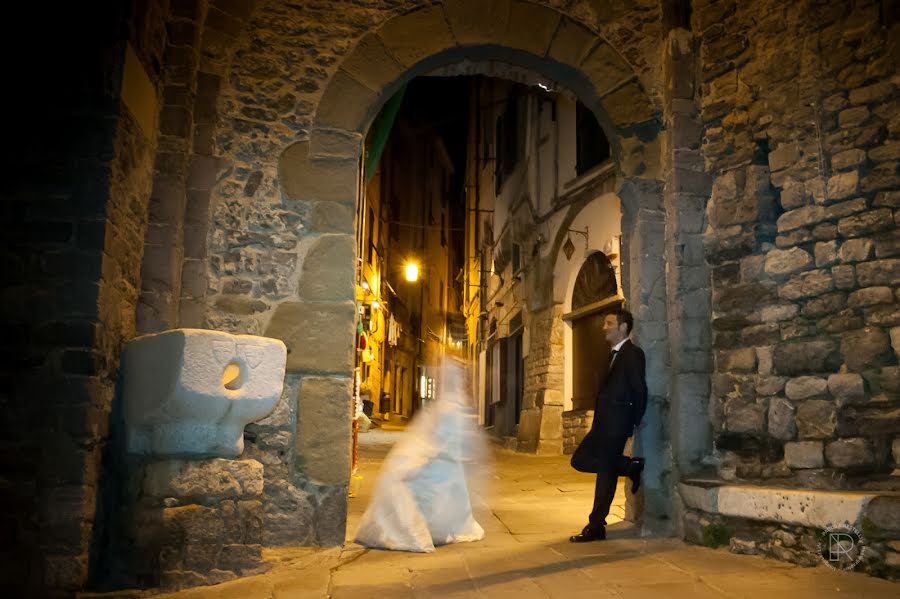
(803, 545)
(801, 132)
(78, 159)
(196, 522)
(281, 211)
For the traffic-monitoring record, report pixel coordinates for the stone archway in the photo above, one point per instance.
(321, 173)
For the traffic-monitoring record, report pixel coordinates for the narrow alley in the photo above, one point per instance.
(528, 510)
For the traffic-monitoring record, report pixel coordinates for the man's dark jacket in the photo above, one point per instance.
(619, 407)
(622, 401)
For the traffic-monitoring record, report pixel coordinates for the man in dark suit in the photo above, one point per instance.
(619, 408)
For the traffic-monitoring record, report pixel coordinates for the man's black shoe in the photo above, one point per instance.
(634, 473)
(589, 534)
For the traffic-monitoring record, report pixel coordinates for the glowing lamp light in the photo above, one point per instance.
(412, 272)
(376, 304)
(365, 285)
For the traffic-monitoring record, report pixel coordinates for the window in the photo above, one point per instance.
(592, 147)
(507, 141)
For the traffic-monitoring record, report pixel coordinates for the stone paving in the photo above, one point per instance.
(529, 506)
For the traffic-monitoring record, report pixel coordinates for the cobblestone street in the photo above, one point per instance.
(528, 511)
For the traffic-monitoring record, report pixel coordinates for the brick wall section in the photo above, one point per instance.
(802, 136)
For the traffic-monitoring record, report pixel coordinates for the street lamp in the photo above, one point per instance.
(412, 272)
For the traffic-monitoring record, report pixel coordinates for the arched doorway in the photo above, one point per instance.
(315, 182)
(355, 95)
(595, 294)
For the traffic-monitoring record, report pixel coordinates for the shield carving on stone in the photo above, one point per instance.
(252, 354)
(223, 350)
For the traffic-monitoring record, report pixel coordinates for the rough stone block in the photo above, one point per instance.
(319, 336)
(335, 112)
(289, 514)
(890, 199)
(323, 429)
(886, 151)
(807, 284)
(764, 356)
(847, 159)
(870, 296)
(846, 388)
(776, 313)
(770, 385)
(216, 478)
(895, 450)
(837, 211)
(417, 35)
(884, 513)
(332, 217)
(829, 303)
(843, 186)
(740, 360)
(816, 419)
(328, 269)
(529, 430)
(571, 43)
(338, 143)
(331, 516)
(744, 416)
(826, 253)
(372, 65)
(785, 262)
(856, 250)
(853, 117)
(878, 272)
(887, 244)
(844, 276)
(805, 387)
(865, 349)
(530, 27)
(304, 177)
(477, 22)
(794, 238)
(782, 419)
(848, 453)
(605, 68)
(192, 392)
(805, 357)
(194, 525)
(784, 156)
(804, 454)
(801, 217)
(866, 223)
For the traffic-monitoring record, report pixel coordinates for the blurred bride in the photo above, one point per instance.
(421, 498)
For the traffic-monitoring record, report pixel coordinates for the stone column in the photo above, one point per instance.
(161, 273)
(687, 274)
(644, 283)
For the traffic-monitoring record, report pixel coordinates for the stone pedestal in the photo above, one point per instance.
(198, 522)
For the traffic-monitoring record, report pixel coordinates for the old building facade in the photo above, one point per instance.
(204, 173)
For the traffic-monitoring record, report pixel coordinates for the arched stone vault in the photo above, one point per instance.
(267, 185)
(323, 168)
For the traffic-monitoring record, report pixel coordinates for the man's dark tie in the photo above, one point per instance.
(612, 357)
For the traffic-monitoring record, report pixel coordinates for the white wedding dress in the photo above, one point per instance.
(421, 498)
